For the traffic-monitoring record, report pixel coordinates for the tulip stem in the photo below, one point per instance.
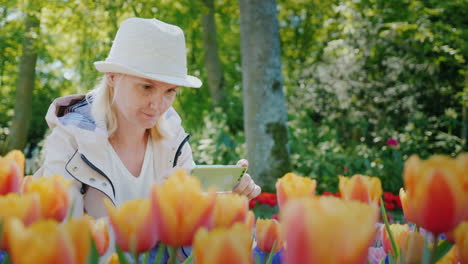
(272, 252)
(434, 249)
(172, 255)
(395, 248)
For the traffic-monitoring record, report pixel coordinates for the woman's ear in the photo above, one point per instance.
(111, 79)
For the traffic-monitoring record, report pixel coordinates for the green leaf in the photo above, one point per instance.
(442, 249)
(7, 259)
(189, 259)
(160, 253)
(93, 257)
(122, 257)
(395, 248)
(272, 252)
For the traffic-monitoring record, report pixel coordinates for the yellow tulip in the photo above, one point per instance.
(400, 234)
(18, 157)
(291, 186)
(412, 249)
(10, 177)
(53, 193)
(181, 208)
(461, 240)
(100, 234)
(25, 208)
(79, 234)
(133, 224)
(437, 192)
(229, 209)
(223, 245)
(328, 230)
(43, 242)
(113, 259)
(268, 232)
(361, 188)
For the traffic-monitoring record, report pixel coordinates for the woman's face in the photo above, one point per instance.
(141, 101)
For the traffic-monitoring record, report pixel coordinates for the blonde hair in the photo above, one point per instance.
(103, 109)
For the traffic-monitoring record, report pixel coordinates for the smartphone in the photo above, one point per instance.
(224, 178)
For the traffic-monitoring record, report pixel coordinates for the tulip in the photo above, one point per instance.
(229, 209)
(80, 236)
(361, 188)
(181, 207)
(133, 225)
(113, 259)
(413, 248)
(404, 204)
(436, 191)
(100, 234)
(450, 257)
(222, 245)
(53, 193)
(400, 234)
(291, 186)
(42, 242)
(328, 230)
(461, 240)
(10, 177)
(268, 232)
(250, 220)
(18, 157)
(25, 208)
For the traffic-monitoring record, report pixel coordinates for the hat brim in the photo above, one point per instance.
(188, 81)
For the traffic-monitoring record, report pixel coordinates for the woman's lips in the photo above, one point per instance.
(149, 115)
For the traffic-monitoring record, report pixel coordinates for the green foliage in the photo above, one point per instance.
(355, 74)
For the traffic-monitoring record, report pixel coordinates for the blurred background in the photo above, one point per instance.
(364, 83)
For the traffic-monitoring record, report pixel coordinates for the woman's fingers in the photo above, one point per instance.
(256, 192)
(243, 163)
(243, 184)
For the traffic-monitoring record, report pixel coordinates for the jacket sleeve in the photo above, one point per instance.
(185, 160)
(58, 150)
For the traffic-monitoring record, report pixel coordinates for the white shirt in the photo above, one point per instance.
(129, 187)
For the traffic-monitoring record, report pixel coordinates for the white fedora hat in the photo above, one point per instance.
(151, 49)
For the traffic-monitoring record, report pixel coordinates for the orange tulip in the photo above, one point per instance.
(400, 234)
(25, 208)
(18, 157)
(328, 230)
(404, 204)
(361, 188)
(53, 193)
(291, 186)
(461, 240)
(268, 231)
(250, 220)
(181, 208)
(229, 209)
(100, 234)
(222, 245)
(42, 242)
(79, 234)
(436, 190)
(133, 224)
(10, 177)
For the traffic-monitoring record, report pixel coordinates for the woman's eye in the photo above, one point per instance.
(146, 86)
(172, 91)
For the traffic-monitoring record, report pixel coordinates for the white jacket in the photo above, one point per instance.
(76, 149)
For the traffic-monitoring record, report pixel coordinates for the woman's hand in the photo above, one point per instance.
(246, 185)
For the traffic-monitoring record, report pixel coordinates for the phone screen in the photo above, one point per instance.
(222, 178)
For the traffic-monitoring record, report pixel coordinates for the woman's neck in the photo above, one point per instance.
(128, 136)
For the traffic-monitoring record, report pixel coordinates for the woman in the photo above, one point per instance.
(123, 136)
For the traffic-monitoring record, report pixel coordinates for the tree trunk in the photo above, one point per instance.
(264, 101)
(26, 77)
(212, 61)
